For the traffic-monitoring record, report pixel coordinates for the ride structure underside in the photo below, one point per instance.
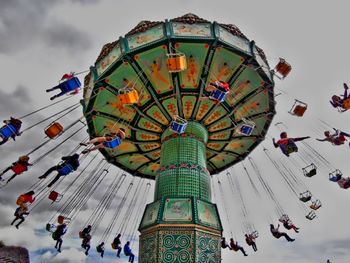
(181, 225)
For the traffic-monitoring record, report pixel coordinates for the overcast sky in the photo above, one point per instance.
(40, 40)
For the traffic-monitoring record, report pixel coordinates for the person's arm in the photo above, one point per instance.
(274, 143)
(65, 158)
(278, 226)
(300, 138)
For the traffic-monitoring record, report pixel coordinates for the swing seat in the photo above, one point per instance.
(255, 234)
(113, 143)
(346, 104)
(70, 85)
(283, 68)
(298, 108)
(218, 95)
(305, 197)
(7, 131)
(344, 183)
(310, 170)
(66, 169)
(19, 168)
(246, 128)
(311, 215)
(289, 148)
(48, 227)
(54, 196)
(335, 178)
(128, 96)
(178, 125)
(176, 62)
(316, 205)
(54, 130)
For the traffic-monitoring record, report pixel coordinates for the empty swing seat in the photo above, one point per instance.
(310, 170)
(178, 125)
(246, 128)
(53, 130)
(335, 176)
(176, 62)
(305, 197)
(128, 96)
(311, 215)
(316, 205)
(70, 85)
(7, 131)
(66, 169)
(54, 196)
(298, 108)
(218, 95)
(283, 68)
(344, 183)
(19, 168)
(113, 143)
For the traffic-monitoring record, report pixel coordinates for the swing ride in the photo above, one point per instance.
(191, 99)
(194, 98)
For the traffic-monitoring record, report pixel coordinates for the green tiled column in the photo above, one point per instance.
(182, 225)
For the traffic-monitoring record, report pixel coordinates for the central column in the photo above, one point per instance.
(181, 225)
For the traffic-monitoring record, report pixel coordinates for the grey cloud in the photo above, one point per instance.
(23, 24)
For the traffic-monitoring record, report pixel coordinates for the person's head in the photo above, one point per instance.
(89, 226)
(336, 98)
(231, 239)
(15, 121)
(23, 158)
(119, 235)
(223, 238)
(271, 226)
(246, 235)
(75, 156)
(327, 133)
(128, 243)
(102, 243)
(283, 135)
(29, 193)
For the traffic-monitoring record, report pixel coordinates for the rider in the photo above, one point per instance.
(278, 234)
(287, 145)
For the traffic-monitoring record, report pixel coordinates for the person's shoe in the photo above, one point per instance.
(86, 253)
(296, 230)
(245, 255)
(118, 256)
(83, 144)
(42, 177)
(59, 250)
(48, 90)
(85, 151)
(291, 240)
(17, 226)
(56, 246)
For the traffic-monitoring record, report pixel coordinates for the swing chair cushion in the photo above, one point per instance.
(218, 95)
(246, 129)
(178, 126)
(113, 143)
(305, 198)
(54, 196)
(299, 110)
(54, 130)
(311, 173)
(335, 178)
(129, 96)
(176, 62)
(66, 169)
(70, 85)
(19, 168)
(346, 104)
(7, 131)
(283, 67)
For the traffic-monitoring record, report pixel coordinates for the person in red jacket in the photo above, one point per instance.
(24, 199)
(17, 167)
(337, 138)
(287, 145)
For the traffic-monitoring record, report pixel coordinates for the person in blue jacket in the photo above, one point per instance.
(128, 252)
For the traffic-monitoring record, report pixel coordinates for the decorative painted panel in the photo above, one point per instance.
(207, 214)
(108, 60)
(207, 248)
(151, 214)
(193, 30)
(177, 210)
(145, 38)
(176, 246)
(234, 41)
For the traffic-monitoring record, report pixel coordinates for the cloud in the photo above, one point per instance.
(24, 24)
